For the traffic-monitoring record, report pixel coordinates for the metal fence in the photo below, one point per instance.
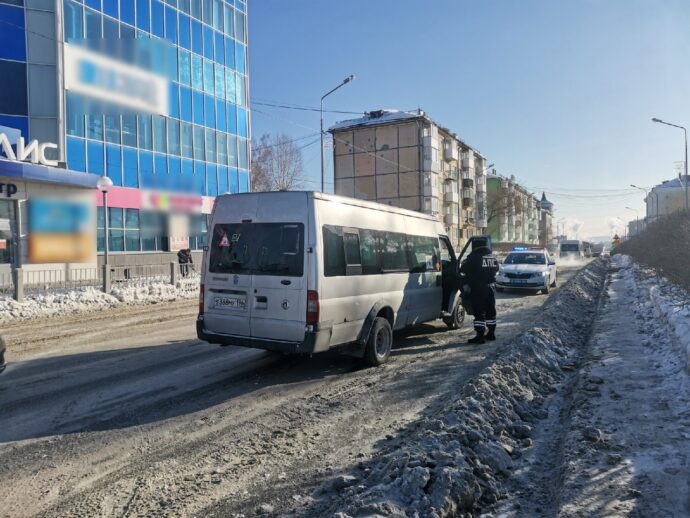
(55, 280)
(45, 281)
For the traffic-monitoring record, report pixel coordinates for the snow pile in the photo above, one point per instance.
(87, 299)
(451, 462)
(671, 303)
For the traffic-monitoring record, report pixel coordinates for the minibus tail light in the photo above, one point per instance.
(201, 299)
(312, 307)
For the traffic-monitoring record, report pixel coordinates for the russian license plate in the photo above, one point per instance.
(230, 302)
(519, 281)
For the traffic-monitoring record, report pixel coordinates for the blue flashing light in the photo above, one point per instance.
(520, 248)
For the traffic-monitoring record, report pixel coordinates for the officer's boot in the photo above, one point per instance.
(479, 339)
(491, 335)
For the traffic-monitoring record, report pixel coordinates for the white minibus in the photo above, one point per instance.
(304, 272)
(572, 249)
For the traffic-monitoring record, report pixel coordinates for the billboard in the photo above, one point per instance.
(60, 231)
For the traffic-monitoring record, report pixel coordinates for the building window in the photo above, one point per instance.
(198, 229)
(132, 230)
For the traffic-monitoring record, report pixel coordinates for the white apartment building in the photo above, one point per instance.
(408, 160)
(665, 198)
(514, 214)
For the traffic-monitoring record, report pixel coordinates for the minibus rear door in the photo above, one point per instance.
(278, 297)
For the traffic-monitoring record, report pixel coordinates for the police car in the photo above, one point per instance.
(527, 269)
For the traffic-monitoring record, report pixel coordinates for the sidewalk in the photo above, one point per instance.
(627, 451)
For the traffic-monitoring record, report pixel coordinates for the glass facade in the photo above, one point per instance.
(202, 146)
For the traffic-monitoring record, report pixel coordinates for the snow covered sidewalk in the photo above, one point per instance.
(88, 299)
(627, 449)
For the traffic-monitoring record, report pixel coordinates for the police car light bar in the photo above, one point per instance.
(520, 248)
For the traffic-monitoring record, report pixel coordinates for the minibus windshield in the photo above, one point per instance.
(570, 248)
(258, 249)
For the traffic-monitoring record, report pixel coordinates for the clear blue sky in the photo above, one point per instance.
(558, 93)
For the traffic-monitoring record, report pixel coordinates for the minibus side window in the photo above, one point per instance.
(334, 251)
(369, 245)
(394, 252)
(353, 257)
(425, 254)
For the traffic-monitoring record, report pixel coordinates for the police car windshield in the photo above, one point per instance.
(537, 258)
(258, 249)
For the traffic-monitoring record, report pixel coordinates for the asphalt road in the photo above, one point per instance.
(126, 413)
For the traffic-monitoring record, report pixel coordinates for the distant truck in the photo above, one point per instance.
(572, 249)
(587, 249)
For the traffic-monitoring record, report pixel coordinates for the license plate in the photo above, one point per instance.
(519, 281)
(230, 302)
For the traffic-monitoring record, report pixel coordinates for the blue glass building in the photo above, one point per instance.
(174, 160)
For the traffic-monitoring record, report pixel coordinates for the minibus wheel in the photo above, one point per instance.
(457, 318)
(379, 342)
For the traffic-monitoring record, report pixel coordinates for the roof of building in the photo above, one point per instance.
(377, 117)
(545, 204)
(675, 183)
(387, 116)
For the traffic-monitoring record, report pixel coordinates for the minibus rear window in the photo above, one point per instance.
(570, 248)
(258, 249)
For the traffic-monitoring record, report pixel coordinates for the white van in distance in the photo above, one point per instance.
(304, 272)
(572, 249)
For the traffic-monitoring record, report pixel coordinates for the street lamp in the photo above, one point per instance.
(685, 133)
(646, 195)
(349, 78)
(104, 184)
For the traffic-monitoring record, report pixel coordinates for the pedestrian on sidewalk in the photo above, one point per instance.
(183, 259)
(190, 260)
(481, 268)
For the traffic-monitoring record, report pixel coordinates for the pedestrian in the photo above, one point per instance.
(182, 260)
(480, 269)
(190, 260)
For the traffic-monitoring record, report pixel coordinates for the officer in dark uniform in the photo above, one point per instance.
(480, 269)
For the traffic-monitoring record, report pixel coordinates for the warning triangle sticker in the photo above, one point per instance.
(224, 242)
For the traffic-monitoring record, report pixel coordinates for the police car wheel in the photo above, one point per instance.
(457, 318)
(553, 284)
(545, 290)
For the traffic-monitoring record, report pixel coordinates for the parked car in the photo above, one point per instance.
(305, 272)
(3, 364)
(527, 269)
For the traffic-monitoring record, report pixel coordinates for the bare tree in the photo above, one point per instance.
(276, 164)
(499, 203)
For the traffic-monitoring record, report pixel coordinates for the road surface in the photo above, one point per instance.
(126, 413)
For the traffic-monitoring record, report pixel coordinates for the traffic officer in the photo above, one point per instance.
(480, 269)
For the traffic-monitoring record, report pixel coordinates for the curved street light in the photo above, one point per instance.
(348, 79)
(685, 133)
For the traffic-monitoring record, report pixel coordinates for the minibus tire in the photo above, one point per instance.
(457, 318)
(379, 343)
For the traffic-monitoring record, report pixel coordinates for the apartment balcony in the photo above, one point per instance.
(450, 219)
(468, 202)
(482, 223)
(451, 197)
(467, 163)
(450, 151)
(452, 175)
(481, 187)
(468, 183)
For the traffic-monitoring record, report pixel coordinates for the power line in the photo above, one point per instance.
(302, 108)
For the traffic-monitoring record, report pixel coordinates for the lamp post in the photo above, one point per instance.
(685, 133)
(646, 195)
(349, 78)
(104, 184)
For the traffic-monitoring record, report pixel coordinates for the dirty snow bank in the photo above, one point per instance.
(671, 303)
(452, 461)
(88, 299)
(627, 447)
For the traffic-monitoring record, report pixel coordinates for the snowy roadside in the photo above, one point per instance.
(454, 460)
(89, 299)
(627, 447)
(670, 303)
